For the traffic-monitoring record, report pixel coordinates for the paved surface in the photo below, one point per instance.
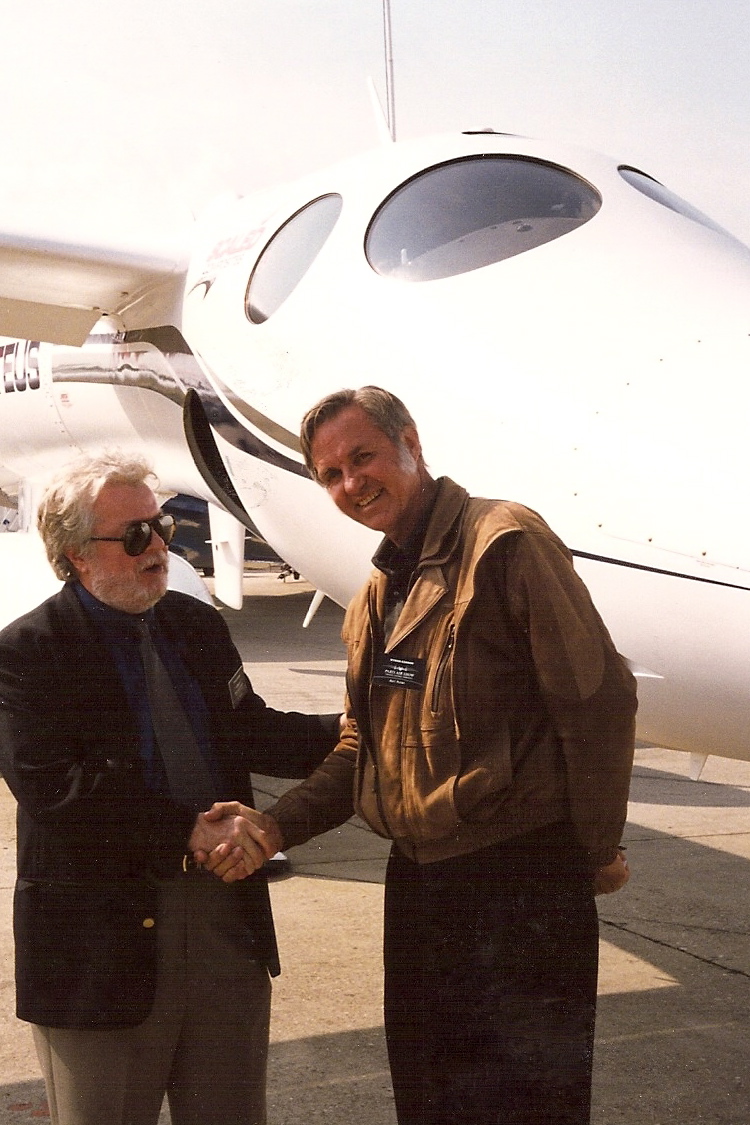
(673, 1033)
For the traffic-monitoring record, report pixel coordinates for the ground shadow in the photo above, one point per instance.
(678, 1053)
(331, 1080)
(658, 787)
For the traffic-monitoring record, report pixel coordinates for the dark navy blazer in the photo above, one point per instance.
(92, 839)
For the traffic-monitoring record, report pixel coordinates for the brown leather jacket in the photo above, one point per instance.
(525, 713)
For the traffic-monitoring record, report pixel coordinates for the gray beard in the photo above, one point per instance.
(125, 594)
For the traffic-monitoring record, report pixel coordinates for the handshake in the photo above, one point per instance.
(232, 841)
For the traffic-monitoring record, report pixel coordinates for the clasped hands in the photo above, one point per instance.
(232, 840)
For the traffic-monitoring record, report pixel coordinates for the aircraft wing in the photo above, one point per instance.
(56, 290)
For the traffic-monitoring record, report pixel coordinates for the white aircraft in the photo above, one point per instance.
(565, 331)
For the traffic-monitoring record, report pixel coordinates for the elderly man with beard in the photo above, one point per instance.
(490, 735)
(142, 972)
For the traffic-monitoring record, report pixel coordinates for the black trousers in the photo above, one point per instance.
(491, 966)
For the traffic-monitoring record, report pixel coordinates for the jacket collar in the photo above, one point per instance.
(440, 544)
(79, 622)
(435, 542)
(443, 530)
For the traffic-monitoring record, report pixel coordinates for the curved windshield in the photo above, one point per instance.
(647, 185)
(288, 256)
(470, 213)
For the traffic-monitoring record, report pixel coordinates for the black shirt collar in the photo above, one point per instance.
(393, 560)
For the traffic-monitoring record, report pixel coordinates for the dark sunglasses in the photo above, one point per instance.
(138, 534)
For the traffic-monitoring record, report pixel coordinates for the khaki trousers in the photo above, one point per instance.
(204, 1045)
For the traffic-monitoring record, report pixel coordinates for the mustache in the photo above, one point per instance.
(153, 557)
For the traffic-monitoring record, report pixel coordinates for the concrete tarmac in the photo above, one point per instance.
(673, 1031)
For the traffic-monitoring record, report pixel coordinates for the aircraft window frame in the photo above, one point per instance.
(655, 190)
(518, 202)
(288, 255)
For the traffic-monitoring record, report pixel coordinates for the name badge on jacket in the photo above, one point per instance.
(238, 687)
(396, 671)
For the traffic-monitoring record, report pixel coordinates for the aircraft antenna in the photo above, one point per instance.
(389, 92)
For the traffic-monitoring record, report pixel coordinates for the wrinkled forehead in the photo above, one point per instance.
(346, 433)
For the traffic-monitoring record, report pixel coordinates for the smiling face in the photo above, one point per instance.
(130, 583)
(371, 478)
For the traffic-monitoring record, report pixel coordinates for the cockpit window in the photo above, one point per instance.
(470, 213)
(647, 185)
(288, 256)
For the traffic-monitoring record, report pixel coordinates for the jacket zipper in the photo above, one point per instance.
(369, 749)
(441, 668)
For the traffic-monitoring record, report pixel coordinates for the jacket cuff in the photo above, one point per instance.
(601, 858)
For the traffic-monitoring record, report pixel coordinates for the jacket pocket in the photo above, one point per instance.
(431, 749)
(85, 953)
(485, 775)
(431, 762)
(449, 782)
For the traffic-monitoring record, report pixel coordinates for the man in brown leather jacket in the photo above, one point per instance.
(490, 735)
